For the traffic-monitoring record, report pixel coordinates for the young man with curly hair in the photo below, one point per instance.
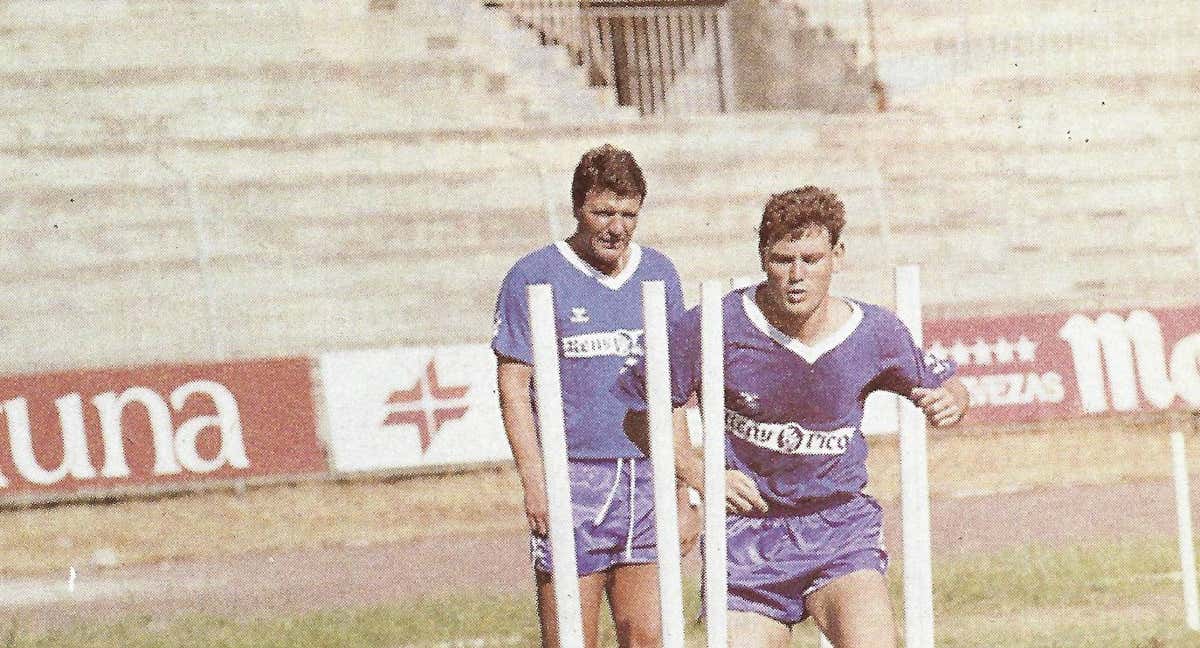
(804, 539)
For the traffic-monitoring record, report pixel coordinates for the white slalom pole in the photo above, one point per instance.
(662, 459)
(1183, 511)
(914, 484)
(712, 404)
(553, 435)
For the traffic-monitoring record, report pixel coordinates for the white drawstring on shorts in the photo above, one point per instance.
(612, 493)
(632, 491)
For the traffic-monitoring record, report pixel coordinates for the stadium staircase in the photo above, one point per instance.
(205, 180)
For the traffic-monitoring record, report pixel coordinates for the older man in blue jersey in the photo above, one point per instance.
(804, 539)
(597, 276)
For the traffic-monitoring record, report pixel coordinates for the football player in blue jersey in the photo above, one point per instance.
(804, 539)
(596, 275)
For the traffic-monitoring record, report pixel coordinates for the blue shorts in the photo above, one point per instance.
(775, 562)
(613, 501)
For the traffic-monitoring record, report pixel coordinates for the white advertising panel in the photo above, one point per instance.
(412, 407)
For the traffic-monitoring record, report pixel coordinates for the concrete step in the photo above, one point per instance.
(173, 248)
(252, 314)
(909, 138)
(151, 43)
(297, 50)
(267, 308)
(704, 201)
(126, 121)
(106, 339)
(239, 285)
(247, 161)
(59, 14)
(471, 166)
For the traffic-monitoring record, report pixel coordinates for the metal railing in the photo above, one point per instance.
(558, 22)
(662, 56)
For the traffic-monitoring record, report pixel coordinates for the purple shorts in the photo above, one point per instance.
(775, 562)
(613, 501)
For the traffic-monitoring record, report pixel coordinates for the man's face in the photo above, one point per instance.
(799, 270)
(605, 227)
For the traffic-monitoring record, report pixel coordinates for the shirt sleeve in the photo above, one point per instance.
(510, 334)
(675, 308)
(905, 365)
(684, 340)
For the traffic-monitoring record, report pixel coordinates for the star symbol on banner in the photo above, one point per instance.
(1026, 349)
(982, 352)
(1003, 350)
(940, 352)
(960, 353)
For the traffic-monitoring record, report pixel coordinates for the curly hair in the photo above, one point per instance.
(792, 212)
(607, 168)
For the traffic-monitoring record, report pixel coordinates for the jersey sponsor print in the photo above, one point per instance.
(599, 323)
(794, 411)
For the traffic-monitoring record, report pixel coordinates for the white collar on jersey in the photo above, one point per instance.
(810, 353)
(608, 281)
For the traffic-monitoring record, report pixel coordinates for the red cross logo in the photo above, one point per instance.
(427, 405)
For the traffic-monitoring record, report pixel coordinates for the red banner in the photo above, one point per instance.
(159, 425)
(1063, 365)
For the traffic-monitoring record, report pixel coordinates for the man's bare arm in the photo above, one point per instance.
(516, 408)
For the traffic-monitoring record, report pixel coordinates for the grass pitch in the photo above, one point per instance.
(1111, 595)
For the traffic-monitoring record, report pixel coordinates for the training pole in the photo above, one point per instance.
(712, 408)
(914, 483)
(553, 434)
(662, 459)
(1183, 511)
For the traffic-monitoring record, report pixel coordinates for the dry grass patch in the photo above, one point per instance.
(265, 519)
(49, 540)
(1005, 459)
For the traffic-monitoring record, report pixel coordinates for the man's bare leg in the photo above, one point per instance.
(750, 630)
(591, 591)
(855, 611)
(633, 596)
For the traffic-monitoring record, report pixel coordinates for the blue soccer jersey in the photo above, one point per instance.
(794, 412)
(599, 323)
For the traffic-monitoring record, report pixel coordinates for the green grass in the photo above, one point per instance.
(1125, 594)
(1122, 595)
